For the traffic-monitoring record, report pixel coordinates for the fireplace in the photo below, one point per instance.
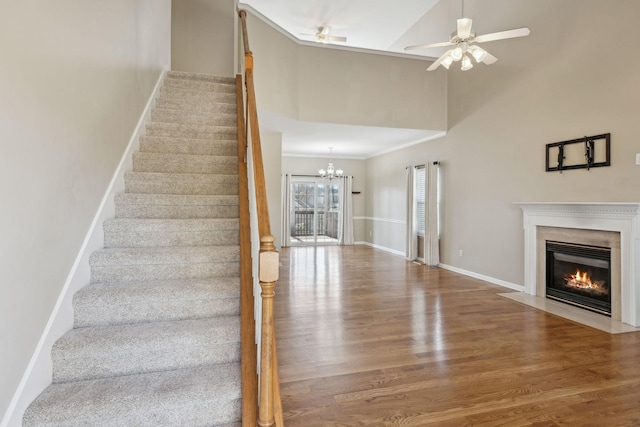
(579, 275)
(614, 225)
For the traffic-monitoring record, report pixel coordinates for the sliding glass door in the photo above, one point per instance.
(315, 206)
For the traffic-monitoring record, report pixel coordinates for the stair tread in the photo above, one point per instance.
(158, 300)
(188, 158)
(159, 290)
(129, 339)
(199, 76)
(212, 145)
(127, 349)
(164, 255)
(141, 164)
(171, 224)
(202, 84)
(231, 141)
(226, 110)
(204, 395)
(230, 129)
(193, 99)
(226, 93)
(176, 199)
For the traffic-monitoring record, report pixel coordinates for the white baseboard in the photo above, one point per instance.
(493, 280)
(382, 248)
(38, 373)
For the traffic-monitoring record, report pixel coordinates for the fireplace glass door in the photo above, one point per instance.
(579, 275)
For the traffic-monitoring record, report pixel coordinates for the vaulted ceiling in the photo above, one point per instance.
(370, 25)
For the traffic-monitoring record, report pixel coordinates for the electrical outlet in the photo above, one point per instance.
(460, 252)
(637, 158)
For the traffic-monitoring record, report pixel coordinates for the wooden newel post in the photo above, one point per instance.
(268, 274)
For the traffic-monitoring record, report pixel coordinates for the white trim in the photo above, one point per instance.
(382, 248)
(37, 375)
(493, 280)
(408, 144)
(370, 218)
(322, 156)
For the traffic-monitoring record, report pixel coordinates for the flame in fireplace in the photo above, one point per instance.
(581, 280)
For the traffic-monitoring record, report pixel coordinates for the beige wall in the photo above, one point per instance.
(74, 77)
(573, 76)
(355, 168)
(203, 36)
(335, 86)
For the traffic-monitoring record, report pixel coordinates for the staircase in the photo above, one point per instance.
(156, 338)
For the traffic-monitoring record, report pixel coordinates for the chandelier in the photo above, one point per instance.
(331, 171)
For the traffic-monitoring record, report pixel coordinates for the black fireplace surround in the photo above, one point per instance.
(579, 275)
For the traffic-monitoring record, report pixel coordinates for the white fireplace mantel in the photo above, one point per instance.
(623, 218)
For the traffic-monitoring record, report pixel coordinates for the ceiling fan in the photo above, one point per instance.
(462, 42)
(322, 35)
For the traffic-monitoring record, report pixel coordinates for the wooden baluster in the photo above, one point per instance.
(268, 273)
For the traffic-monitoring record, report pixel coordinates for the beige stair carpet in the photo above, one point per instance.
(156, 338)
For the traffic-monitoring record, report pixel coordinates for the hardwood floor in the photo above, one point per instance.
(368, 339)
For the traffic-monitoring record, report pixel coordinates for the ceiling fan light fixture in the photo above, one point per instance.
(456, 54)
(466, 63)
(447, 61)
(478, 53)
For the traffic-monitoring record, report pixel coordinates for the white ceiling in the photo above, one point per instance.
(367, 24)
(377, 25)
(307, 139)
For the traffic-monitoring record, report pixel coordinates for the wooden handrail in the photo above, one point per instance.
(247, 322)
(269, 402)
(245, 36)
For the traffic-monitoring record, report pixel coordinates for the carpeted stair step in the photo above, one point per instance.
(134, 205)
(173, 145)
(222, 118)
(184, 163)
(105, 351)
(192, 131)
(210, 110)
(203, 396)
(200, 77)
(190, 105)
(131, 265)
(192, 99)
(143, 232)
(200, 85)
(224, 94)
(176, 183)
(162, 300)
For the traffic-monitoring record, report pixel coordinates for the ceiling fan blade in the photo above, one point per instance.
(427, 46)
(509, 34)
(489, 59)
(335, 38)
(438, 61)
(464, 28)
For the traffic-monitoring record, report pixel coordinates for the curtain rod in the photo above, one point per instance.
(318, 176)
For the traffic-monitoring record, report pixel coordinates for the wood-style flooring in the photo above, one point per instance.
(366, 338)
